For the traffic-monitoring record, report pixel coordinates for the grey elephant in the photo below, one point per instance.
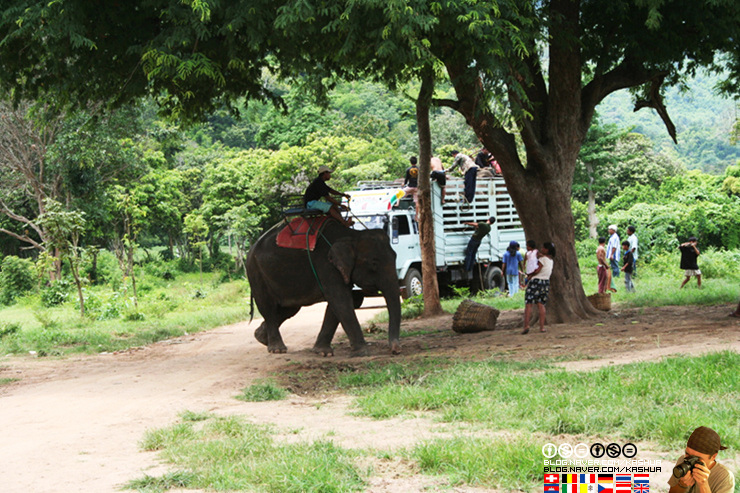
(283, 280)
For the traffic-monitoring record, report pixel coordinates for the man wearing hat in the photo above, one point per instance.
(612, 253)
(709, 477)
(317, 190)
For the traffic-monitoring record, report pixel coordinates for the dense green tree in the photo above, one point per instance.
(536, 69)
(65, 228)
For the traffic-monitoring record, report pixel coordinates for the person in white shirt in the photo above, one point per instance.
(612, 254)
(632, 238)
(538, 287)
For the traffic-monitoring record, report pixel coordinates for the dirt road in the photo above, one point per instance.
(74, 425)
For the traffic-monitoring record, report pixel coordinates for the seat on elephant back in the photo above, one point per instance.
(301, 232)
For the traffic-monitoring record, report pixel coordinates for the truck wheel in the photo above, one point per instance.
(494, 279)
(412, 283)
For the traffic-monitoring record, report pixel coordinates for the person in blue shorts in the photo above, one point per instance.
(318, 197)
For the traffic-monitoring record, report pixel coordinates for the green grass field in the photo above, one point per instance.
(166, 309)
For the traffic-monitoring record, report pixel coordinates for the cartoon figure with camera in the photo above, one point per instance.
(698, 470)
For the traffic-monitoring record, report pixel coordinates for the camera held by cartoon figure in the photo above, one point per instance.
(687, 465)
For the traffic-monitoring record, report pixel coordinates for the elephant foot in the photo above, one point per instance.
(277, 348)
(261, 335)
(360, 351)
(395, 347)
(324, 350)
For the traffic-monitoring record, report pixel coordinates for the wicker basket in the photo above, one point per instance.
(474, 317)
(601, 301)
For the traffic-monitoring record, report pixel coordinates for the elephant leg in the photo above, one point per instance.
(328, 329)
(268, 332)
(344, 310)
(261, 334)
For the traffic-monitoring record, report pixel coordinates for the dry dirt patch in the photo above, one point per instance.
(73, 425)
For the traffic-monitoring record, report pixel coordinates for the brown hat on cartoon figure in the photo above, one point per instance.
(705, 440)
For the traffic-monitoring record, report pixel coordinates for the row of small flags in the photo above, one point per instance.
(597, 483)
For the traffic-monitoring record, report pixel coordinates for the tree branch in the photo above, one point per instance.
(12, 215)
(448, 103)
(655, 101)
(24, 238)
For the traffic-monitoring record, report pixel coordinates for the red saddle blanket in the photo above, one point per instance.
(301, 232)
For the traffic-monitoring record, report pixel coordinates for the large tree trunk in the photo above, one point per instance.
(593, 221)
(432, 305)
(546, 216)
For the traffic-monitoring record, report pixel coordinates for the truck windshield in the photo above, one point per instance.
(371, 222)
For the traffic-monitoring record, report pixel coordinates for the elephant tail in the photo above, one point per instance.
(251, 307)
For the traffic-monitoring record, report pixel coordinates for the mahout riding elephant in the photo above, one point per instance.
(283, 280)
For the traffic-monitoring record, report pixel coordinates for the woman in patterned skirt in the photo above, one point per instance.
(538, 286)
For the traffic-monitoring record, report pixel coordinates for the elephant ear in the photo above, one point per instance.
(342, 255)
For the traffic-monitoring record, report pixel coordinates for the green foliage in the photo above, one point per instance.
(16, 278)
(263, 391)
(731, 183)
(693, 204)
(55, 293)
(412, 307)
(9, 329)
(580, 219)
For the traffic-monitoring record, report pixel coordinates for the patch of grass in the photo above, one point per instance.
(193, 417)
(165, 437)
(234, 455)
(151, 484)
(642, 401)
(508, 464)
(6, 381)
(263, 391)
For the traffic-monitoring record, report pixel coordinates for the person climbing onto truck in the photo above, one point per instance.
(411, 181)
(469, 169)
(318, 197)
(438, 175)
(481, 230)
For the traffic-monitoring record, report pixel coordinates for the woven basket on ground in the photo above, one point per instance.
(601, 301)
(474, 317)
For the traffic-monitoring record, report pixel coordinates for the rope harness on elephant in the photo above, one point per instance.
(320, 233)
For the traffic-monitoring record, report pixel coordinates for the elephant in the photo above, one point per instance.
(283, 280)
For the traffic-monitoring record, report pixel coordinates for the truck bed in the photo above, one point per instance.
(452, 236)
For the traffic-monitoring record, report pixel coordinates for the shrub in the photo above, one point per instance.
(161, 269)
(107, 270)
(56, 293)
(9, 329)
(16, 278)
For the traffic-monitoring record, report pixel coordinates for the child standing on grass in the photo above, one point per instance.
(538, 288)
(689, 254)
(628, 267)
(530, 263)
(602, 269)
(512, 260)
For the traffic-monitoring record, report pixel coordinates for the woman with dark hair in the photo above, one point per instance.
(538, 287)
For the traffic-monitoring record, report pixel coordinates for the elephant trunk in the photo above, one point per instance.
(393, 302)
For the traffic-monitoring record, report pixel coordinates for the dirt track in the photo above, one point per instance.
(73, 425)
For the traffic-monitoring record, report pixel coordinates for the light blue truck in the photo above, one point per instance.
(376, 205)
